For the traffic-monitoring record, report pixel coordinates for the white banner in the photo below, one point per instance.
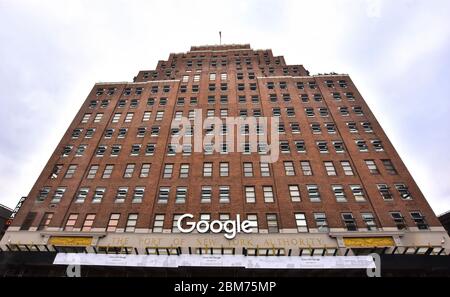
(286, 262)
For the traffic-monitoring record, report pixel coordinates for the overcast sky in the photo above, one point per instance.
(52, 53)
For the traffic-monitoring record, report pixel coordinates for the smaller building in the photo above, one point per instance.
(445, 220)
(5, 214)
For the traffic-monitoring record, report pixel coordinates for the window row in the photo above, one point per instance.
(272, 221)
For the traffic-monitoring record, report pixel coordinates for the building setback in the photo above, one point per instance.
(113, 184)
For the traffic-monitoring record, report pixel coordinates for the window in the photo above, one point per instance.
(276, 112)
(362, 146)
(107, 171)
(86, 118)
(323, 112)
(313, 193)
(294, 193)
(358, 193)
(80, 150)
(300, 221)
(163, 195)
(338, 146)
(116, 117)
(98, 195)
(158, 223)
(168, 169)
(339, 193)
(272, 223)
(352, 127)
(207, 169)
(349, 221)
(175, 219)
(71, 222)
(58, 195)
(377, 146)
(159, 115)
(331, 128)
(265, 169)
(248, 169)
(403, 191)
(98, 117)
(135, 149)
(315, 128)
(145, 170)
(138, 195)
(113, 222)
(141, 131)
(290, 111)
(358, 110)
(389, 167)
(344, 111)
(129, 170)
(184, 170)
(419, 219)
(45, 222)
(43, 193)
(109, 133)
(180, 195)
(150, 149)
(206, 194)
(56, 171)
(224, 168)
(300, 146)
(89, 133)
(384, 191)
(322, 147)
(122, 103)
(289, 168)
(122, 132)
(81, 195)
(321, 221)
(88, 222)
(70, 171)
(131, 222)
(66, 151)
(369, 220)
(121, 194)
(309, 112)
(76, 133)
(253, 218)
(268, 194)
(129, 117)
(284, 146)
(250, 196)
(115, 150)
(367, 127)
(101, 150)
(399, 220)
(373, 169)
(347, 167)
(93, 104)
(295, 128)
(329, 168)
(224, 194)
(306, 168)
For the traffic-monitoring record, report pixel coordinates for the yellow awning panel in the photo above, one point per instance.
(70, 241)
(368, 242)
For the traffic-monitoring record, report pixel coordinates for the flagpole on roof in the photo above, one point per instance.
(220, 37)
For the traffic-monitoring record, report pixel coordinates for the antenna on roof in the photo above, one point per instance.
(220, 37)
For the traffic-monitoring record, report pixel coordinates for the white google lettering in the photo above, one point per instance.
(230, 227)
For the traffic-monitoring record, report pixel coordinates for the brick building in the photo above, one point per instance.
(115, 185)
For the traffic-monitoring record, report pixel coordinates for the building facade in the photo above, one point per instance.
(115, 183)
(5, 214)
